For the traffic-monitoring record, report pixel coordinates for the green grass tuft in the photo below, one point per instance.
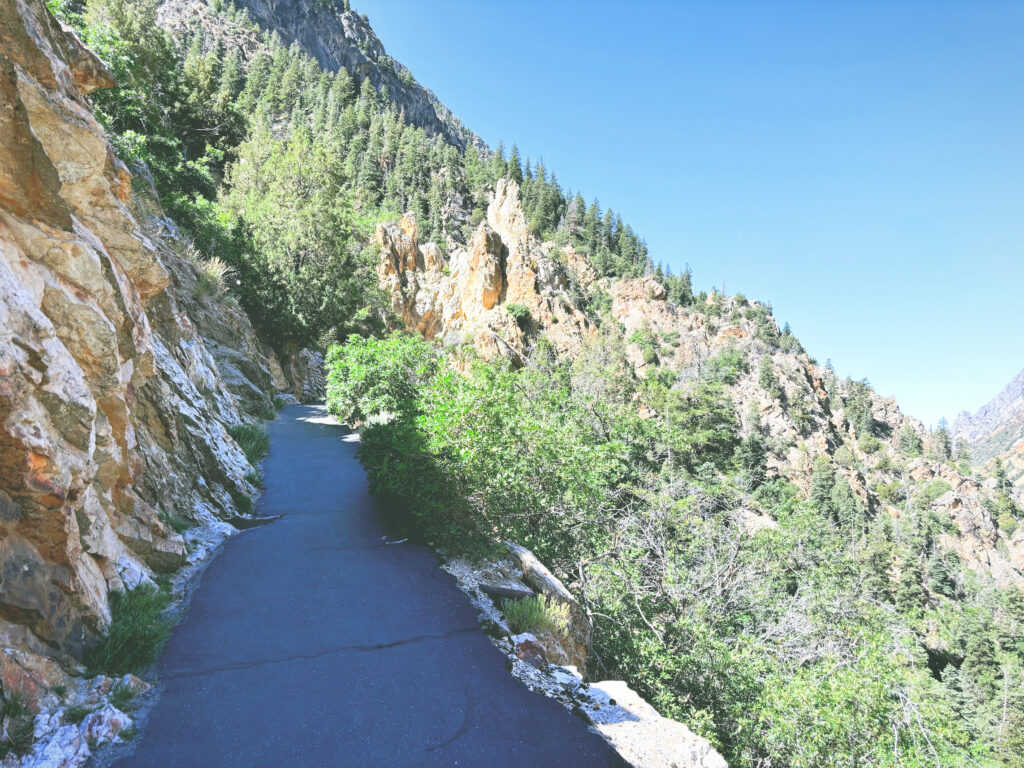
(121, 697)
(538, 613)
(254, 441)
(76, 714)
(137, 633)
(242, 501)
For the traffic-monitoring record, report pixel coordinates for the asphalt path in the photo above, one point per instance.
(313, 641)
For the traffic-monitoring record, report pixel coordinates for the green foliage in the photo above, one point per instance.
(136, 635)
(302, 269)
(520, 313)
(536, 614)
(869, 443)
(941, 442)
(910, 441)
(242, 501)
(121, 697)
(727, 366)
(845, 457)
(369, 376)
(254, 441)
(555, 456)
(858, 407)
(213, 276)
(76, 713)
(930, 492)
(768, 380)
(19, 737)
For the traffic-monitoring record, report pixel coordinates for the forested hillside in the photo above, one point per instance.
(772, 554)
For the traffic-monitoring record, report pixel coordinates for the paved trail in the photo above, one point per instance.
(311, 643)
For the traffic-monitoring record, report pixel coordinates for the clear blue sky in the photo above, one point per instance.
(858, 164)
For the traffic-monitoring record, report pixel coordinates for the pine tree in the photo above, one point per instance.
(823, 480)
(942, 444)
(910, 441)
(515, 170)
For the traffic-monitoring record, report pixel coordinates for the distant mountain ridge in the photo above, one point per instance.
(337, 37)
(997, 429)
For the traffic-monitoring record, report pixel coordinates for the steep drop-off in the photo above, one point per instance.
(506, 289)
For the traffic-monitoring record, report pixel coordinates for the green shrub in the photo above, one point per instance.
(910, 441)
(20, 735)
(520, 313)
(121, 697)
(175, 522)
(930, 492)
(727, 366)
(136, 635)
(214, 274)
(869, 443)
(76, 713)
(536, 614)
(844, 457)
(254, 441)
(14, 706)
(242, 502)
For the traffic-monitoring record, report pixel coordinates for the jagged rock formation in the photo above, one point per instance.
(997, 429)
(113, 407)
(336, 38)
(467, 297)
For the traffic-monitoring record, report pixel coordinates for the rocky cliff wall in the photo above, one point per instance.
(113, 407)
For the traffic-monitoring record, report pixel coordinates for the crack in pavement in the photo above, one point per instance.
(243, 665)
(467, 713)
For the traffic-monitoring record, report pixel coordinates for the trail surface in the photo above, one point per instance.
(312, 642)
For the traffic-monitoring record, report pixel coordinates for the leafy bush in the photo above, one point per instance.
(377, 376)
(930, 492)
(136, 635)
(869, 444)
(520, 313)
(536, 614)
(727, 366)
(845, 457)
(254, 441)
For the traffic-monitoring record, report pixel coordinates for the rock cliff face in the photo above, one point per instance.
(336, 38)
(472, 295)
(113, 408)
(997, 429)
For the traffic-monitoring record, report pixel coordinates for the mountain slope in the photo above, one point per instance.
(997, 429)
(336, 38)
